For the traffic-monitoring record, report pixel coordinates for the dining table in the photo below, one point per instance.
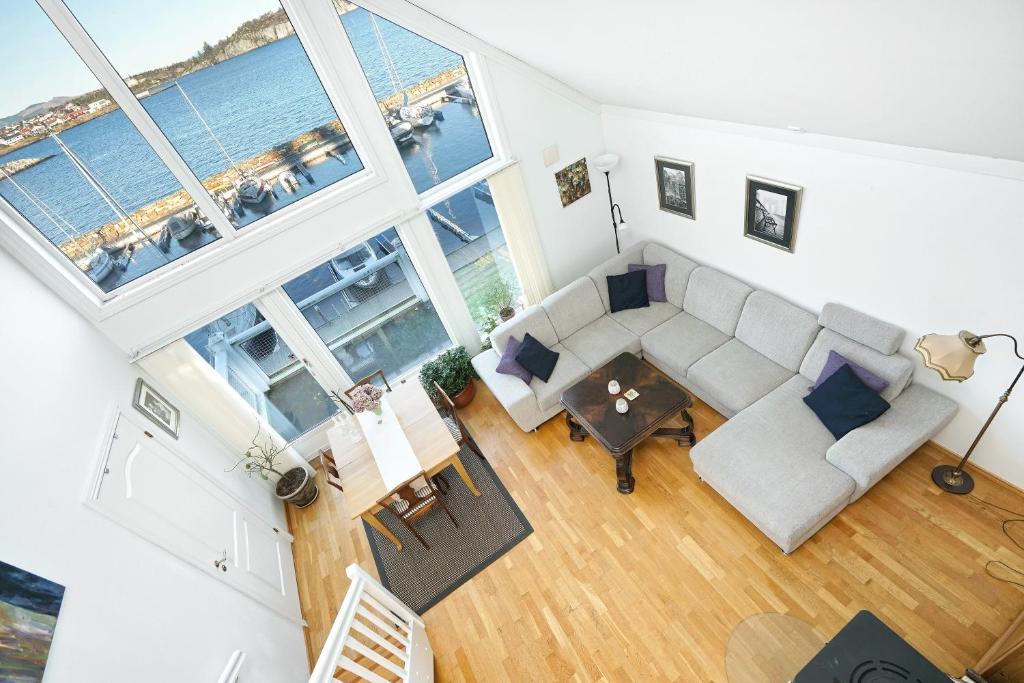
(372, 468)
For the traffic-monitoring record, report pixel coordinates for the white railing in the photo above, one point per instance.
(375, 638)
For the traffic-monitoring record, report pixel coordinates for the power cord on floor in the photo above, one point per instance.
(1017, 518)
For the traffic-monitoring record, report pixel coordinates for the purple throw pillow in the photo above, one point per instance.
(836, 361)
(508, 365)
(655, 280)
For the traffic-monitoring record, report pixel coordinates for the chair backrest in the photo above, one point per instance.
(331, 473)
(369, 379)
(447, 408)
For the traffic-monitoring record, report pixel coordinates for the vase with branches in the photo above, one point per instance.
(263, 458)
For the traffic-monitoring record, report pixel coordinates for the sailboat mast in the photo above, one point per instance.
(96, 185)
(389, 62)
(42, 207)
(209, 130)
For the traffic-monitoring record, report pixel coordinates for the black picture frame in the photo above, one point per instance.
(772, 211)
(676, 193)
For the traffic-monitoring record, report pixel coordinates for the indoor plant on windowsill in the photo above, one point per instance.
(262, 459)
(454, 373)
(499, 296)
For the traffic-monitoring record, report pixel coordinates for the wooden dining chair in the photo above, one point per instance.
(454, 423)
(377, 374)
(412, 503)
(331, 473)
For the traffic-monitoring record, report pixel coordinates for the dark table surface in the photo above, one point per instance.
(590, 403)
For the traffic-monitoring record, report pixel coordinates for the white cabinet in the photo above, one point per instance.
(145, 486)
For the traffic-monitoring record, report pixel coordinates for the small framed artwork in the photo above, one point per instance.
(156, 408)
(675, 186)
(772, 209)
(573, 182)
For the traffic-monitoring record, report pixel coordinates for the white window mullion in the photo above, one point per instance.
(302, 339)
(427, 256)
(109, 78)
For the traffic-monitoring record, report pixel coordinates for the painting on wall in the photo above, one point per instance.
(29, 605)
(772, 209)
(156, 408)
(675, 186)
(573, 182)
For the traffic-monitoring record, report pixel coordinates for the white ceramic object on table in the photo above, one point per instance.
(613, 387)
(622, 405)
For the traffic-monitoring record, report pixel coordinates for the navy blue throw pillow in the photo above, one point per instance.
(536, 358)
(843, 402)
(628, 290)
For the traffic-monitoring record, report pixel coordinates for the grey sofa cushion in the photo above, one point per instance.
(736, 375)
(777, 329)
(769, 463)
(600, 341)
(715, 298)
(615, 266)
(512, 393)
(862, 328)
(573, 306)
(870, 452)
(533, 320)
(677, 274)
(896, 370)
(681, 342)
(568, 370)
(640, 321)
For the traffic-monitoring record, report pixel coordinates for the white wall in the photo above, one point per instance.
(534, 116)
(131, 611)
(927, 240)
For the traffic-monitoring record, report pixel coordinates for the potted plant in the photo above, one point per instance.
(454, 373)
(498, 296)
(293, 486)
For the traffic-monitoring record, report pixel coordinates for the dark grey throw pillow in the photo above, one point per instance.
(536, 358)
(843, 402)
(628, 290)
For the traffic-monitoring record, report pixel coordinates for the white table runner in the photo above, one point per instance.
(392, 452)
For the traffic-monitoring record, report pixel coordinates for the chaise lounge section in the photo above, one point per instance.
(753, 357)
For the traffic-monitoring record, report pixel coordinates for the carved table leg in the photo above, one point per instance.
(688, 438)
(624, 472)
(576, 430)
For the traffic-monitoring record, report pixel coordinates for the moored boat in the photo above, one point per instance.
(420, 116)
(355, 260)
(182, 225)
(401, 132)
(251, 189)
(100, 265)
(288, 181)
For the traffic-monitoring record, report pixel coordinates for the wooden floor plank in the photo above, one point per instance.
(651, 585)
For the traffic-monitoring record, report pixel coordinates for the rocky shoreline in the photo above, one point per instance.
(12, 168)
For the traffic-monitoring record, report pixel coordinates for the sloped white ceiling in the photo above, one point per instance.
(941, 74)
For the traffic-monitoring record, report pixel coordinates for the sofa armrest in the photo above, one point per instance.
(512, 393)
(870, 452)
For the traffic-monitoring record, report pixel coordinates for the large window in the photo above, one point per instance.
(257, 363)
(370, 308)
(231, 87)
(467, 227)
(76, 168)
(424, 93)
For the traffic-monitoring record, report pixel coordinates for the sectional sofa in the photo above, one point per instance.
(750, 355)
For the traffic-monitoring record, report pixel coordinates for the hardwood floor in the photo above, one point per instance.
(649, 586)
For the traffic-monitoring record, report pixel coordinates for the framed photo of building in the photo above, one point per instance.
(675, 186)
(156, 408)
(772, 210)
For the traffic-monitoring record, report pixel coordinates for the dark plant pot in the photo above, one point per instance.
(506, 314)
(297, 487)
(464, 397)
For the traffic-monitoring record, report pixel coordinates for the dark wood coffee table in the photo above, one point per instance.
(590, 411)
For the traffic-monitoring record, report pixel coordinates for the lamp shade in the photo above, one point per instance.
(951, 355)
(606, 162)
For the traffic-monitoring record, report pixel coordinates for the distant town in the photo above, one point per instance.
(27, 131)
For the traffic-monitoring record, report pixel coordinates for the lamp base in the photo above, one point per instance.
(947, 478)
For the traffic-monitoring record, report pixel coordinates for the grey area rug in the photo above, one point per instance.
(489, 526)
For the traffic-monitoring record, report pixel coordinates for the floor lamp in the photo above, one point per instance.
(605, 163)
(953, 356)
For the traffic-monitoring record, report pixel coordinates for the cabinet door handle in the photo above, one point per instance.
(222, 563)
